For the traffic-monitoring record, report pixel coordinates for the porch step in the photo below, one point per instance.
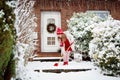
(62, 70)
(47, 59)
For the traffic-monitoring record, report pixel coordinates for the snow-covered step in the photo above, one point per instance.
(47, 58)
(71, 67)
(62, 70)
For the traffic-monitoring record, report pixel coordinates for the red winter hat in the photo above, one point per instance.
(59, 31)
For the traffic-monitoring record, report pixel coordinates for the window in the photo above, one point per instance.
(102, 14)
(51, 20)
(50, 40)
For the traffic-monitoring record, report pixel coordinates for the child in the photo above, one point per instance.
(65, 46)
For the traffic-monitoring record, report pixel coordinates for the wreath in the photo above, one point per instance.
(51, 28)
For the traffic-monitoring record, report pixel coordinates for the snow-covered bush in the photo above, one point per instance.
(26, 36)
(106, 43)
(99, 36)
(78, 25)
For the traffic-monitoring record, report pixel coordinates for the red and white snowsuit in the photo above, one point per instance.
(65, 51)
(65, 46)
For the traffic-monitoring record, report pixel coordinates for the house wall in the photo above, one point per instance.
(68, 7)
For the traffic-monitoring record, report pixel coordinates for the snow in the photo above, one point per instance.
(93, 74)
(11, 3)
(72, 65)
(27, 71)
(26, 36)
(108, 29)
(1, 13)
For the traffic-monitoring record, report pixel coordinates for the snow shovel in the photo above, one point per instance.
(56, 64)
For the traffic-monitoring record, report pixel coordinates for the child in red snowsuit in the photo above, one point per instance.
(65, 46)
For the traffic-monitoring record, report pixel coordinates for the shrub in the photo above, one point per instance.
(106, 43)
(7, 35)
(78, 26)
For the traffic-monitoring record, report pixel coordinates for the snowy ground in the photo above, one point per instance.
(93, 74)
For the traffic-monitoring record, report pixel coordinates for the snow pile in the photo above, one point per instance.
(106, 43)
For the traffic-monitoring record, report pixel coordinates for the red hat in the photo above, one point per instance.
(59, 31)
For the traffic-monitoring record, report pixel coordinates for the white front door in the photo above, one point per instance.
(49, 41)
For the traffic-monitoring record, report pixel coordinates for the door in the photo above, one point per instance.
(50, 20)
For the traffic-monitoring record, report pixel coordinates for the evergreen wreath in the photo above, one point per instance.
(51, 28)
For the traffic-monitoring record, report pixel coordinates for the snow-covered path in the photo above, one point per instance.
(50, 65)
(93, 74)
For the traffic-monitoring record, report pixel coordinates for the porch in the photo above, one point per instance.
(48, 54)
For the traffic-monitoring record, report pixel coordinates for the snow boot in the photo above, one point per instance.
(65, 63)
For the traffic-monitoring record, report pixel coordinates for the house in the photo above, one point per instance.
(54, 13)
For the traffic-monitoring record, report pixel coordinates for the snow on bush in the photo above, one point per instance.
(99, 36)
(78, 25)
(26, 36)
(106, 43)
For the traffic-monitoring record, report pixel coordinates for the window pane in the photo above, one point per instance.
(48, 43)
(51, 20)
(48, 38)
(53, 42)
(53, 38)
